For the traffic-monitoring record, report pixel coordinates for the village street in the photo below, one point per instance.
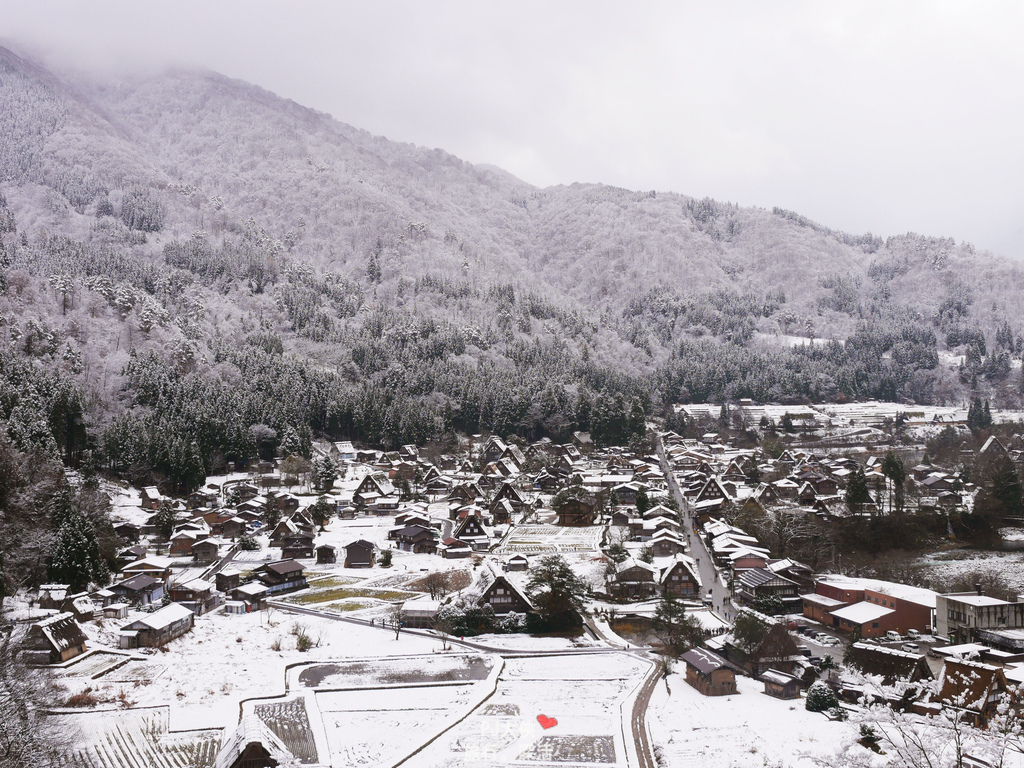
(714, 585)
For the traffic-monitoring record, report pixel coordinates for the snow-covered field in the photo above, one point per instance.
(584, 694)
(747, 729)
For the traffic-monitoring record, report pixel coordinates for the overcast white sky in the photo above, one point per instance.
(865, 116)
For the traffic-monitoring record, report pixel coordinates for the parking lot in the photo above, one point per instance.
(828, 642)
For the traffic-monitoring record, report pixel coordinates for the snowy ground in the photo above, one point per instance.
(747, 729)
(583, 697)
(962, 562)
(206, 673)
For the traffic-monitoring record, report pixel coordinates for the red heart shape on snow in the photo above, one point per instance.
(546, 722)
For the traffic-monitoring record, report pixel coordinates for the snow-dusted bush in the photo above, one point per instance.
(820, 697)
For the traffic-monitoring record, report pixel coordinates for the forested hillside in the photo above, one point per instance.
(186, 257)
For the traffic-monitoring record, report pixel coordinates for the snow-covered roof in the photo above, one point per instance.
(917, 595)
(164, 617)
(978, 601)
(777, 677)
(862, 613)
(822, 600)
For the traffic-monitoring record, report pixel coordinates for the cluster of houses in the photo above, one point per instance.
(716, 478)
(967, 680)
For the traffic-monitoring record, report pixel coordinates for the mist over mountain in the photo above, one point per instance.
(186, 256)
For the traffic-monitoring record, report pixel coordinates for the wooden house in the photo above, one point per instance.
(52, 596)
(509, 492)
(971, 688)
(359, 554)
(139, 590)
(297, 545)
(156, 629)
(282, 576)
(56, 639)
(227, 580)
(518, 562)
(577, 512)
(326, 554)
(196, 595)
(151, 497)
(451, 548)
(129, 532)
(709, 673)
(780, 685)
(206, 551)
(760, 582)
(890, 664)
(504, 597)
(471, 530)
(632, 580)
(417, 539)
(680, 580)
(666, 543)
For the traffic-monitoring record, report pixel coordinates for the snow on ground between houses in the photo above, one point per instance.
(227, 658)
(747, 729)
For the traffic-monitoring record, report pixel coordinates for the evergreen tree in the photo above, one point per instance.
(857, 494)
(271, 512)
(679, 631)
(324, 473)
(291, 444)
(165, 520)
(557, 592)
(75, 556)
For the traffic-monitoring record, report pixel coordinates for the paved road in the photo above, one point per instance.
(638, 719)
(721, 598)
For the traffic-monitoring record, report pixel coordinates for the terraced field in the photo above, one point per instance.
(137, 739)
(290, 722)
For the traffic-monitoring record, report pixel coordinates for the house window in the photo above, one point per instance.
(875, 625)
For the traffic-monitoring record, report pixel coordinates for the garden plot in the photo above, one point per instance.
(136, 739)
(96, 664)
(586, 694)
(406, 670)
(541, 539)
(376, 711)
(329, 592)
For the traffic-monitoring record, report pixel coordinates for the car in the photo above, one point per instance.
(911, 647)
(913, 634)
(804, 651)
(828, 640)
(892, 636)
(814, 660)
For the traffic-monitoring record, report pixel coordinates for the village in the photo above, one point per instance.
(278, 615)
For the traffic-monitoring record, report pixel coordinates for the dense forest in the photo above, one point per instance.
(194, 271)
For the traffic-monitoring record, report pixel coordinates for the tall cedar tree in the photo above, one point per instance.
(557, 592)
(857, 494)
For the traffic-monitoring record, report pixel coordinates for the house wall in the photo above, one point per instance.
(721, 682)
(908, 615)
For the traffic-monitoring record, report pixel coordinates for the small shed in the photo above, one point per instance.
(780, 685)
(116, 611)
(326, 554)
(517, 563)
(227, 580)
(359, 554)
(709, 673)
